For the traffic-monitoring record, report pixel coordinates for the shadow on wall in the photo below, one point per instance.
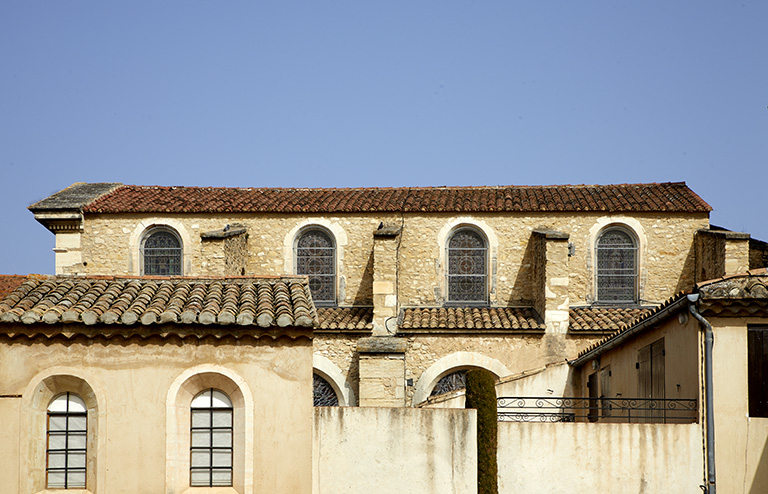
(687, 274)
(364, 295)
(522, 290)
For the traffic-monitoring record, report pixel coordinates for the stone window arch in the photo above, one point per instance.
(315, 257)
(616, 262)
(323, 368)
(450, 364)
(467, 267)
(181, 403)
(161, 252)
(63, 432)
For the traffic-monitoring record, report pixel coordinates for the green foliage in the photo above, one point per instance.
(481, 395)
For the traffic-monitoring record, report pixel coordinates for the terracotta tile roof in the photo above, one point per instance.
(639, 323)
(653, 197)
(584, 319)
(10, 282)
(263, 302)
(512, 318)
(345, 318)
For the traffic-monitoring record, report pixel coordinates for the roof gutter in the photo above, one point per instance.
(621, 337)
(709, 339)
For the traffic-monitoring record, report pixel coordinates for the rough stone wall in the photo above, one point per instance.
(235, 255)
(710, 255)
(342, 351)
(758, 254)
(381, 380)
(108, 249)
(212, 255)
(517, 352)
(666, 264)
(539, 273)
(384, 282)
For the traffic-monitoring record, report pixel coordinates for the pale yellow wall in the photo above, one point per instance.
(403, 450)
(741, 441)
(130, 383)
(110, 246)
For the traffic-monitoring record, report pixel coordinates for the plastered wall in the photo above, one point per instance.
(563, 458)
(385, 450)
(135, 392)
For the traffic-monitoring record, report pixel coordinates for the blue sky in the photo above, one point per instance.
(349, 94)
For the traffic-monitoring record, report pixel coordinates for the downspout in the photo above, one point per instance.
(710, 406)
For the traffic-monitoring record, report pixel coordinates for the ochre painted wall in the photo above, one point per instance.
(137, 389)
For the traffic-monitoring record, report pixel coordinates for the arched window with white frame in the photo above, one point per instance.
(161, 251)
(467, 267)
(67, 433)
(616, 261)
(211, 440)
(315, 252)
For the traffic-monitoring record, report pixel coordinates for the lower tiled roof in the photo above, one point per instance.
(345, 318)
(263, 302)
(583, 319)
(512, 318)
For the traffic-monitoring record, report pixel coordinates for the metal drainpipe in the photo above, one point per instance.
(710, 406)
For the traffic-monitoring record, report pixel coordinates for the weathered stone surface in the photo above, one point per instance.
(381, 344)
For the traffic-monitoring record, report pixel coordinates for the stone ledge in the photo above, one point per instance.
(381, 344)
(551, 234)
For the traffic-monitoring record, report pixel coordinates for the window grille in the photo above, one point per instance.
(67, 432)
(452, 382)
(324, 394)
(316, 257)
(467, 277)
(162, 254)
(211, 440)
(616, 267)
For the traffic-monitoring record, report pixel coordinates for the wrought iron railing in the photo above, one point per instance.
(613, 410)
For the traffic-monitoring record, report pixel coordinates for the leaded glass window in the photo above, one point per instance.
(211, 440)
(67, 433)
(451, 382)
(324, 394)
(316, 257)
(616, 267)
(467, 265)
(162, 254)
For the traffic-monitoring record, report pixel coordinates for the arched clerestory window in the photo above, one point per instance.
(616, 279)
(323, 393)
(316, 258)
(161, 251)
(467, 267)
(211, 439)
(450, 382)
(67, 433)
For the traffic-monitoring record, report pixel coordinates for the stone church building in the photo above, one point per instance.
(447, 278)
